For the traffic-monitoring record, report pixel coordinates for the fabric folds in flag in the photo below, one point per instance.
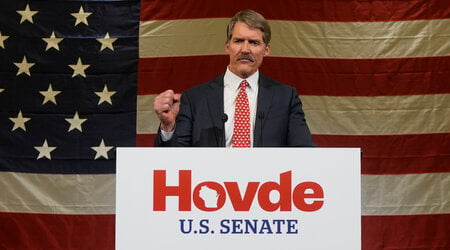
(371, 74)
(68, 81)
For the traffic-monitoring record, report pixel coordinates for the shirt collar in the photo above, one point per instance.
(233, 81)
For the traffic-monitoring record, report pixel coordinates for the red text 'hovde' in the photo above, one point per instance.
(305, 196)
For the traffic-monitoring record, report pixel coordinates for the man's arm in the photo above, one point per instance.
(299, 134)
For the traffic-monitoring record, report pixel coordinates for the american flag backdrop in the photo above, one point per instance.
(78, 78)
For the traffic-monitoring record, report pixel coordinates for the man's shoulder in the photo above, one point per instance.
(268, 82)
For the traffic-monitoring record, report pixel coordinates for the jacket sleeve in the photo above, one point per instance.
(299, 134)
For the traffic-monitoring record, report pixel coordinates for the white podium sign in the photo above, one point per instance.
(259, 198)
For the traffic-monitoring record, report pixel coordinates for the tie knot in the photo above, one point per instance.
(244, 84)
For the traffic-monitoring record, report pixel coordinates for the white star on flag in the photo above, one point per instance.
(101, 150)
(24, 67)
(49, 95)
(107, 42)
(2, 40)
(75, 122)
(44, 150)
(79, 68)
(81, 16)
(27, 14)
(105, 95)
(19, 122)
(52, 42)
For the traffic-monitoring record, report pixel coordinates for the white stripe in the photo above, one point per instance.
(406, 194)
(147, 121)
(188, 37)
(57, 193)
(95, 194)
(383, 115)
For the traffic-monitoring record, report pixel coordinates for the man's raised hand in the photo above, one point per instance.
(167, 106)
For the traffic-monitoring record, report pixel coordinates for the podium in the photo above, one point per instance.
(222, 198)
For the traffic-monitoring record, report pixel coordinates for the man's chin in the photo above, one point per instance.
(245, 72)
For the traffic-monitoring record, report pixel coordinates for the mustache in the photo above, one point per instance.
(245, 57)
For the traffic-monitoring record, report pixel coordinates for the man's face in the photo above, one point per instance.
(246, 49)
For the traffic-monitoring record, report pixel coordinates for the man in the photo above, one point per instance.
(241, 108)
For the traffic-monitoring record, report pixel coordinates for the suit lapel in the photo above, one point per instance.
(216, 109)
(264, 100)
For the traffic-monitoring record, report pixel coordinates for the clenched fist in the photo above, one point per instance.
(167, 106)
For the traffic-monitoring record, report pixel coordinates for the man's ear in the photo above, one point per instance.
(267, 50)
(227, 46)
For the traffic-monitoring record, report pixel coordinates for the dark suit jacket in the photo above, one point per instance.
(280, 120)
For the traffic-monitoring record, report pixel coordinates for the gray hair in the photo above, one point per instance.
(252, 19)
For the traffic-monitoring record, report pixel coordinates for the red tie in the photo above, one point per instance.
(241, 132)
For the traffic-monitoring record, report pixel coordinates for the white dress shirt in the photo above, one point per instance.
(231, 89)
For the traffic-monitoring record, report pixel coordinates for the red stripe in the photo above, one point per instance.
(145, 140)
(161, 73)
(56, 231)
(362, 77)
(396, 154)
(311, 76)
(309, 10)
(383, 154)
(42, 231)
(418, 232)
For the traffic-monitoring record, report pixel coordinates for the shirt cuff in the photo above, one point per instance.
(166, 136)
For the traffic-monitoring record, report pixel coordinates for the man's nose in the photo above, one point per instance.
(245, 47)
